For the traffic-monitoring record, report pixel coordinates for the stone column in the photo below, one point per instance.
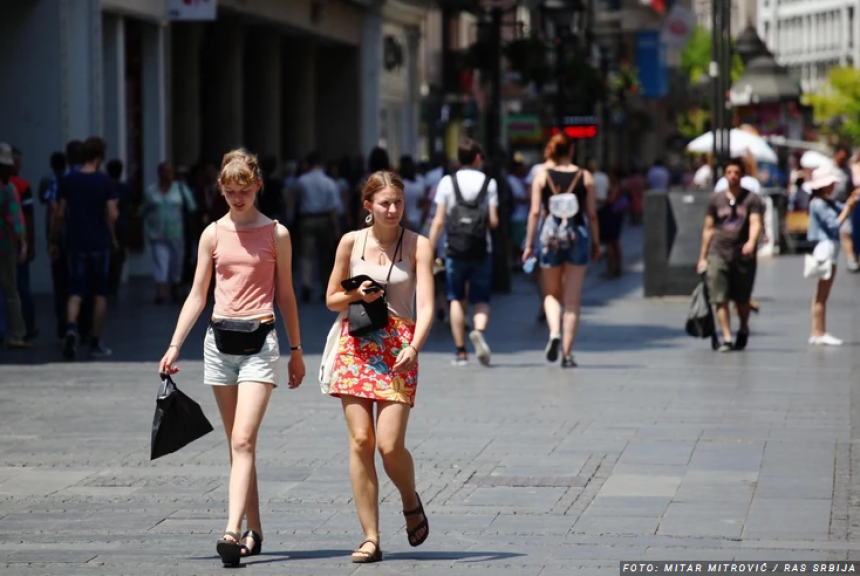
(299, 99)
(116, 118)
(412, 109)
(154, 100)
(222, 105)
(81, 72)
(186, 47)
(263, 89)
(371, 72)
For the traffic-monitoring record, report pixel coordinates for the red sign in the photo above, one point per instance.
(585, 131)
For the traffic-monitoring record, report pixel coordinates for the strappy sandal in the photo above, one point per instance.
(258, 543)
(411, 534)
(230, 551)
(360, 556)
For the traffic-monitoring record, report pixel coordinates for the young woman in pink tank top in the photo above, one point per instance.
(252, 258)
(381, 368)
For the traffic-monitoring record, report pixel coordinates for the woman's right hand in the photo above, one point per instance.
(168, 362)
(371, 296)
(528, 252)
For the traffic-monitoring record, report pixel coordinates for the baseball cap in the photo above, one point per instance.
(6, 155)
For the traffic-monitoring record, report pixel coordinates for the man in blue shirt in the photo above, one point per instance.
(87, 210)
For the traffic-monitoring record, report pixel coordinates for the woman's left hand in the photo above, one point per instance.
(406, 360)
(596, 251)
(295, 370)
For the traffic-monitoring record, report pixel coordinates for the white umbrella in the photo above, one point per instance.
(741, 141)
(812, 159)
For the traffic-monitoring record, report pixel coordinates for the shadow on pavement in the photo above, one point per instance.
(456, 556)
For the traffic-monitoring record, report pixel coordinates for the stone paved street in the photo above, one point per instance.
(654, 449)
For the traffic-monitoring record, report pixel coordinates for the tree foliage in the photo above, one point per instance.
(696, 57)
(837, 105)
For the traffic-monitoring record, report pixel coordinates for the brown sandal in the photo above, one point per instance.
(364, 557)
(411, 534)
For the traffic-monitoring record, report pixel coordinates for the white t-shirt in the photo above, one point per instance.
(519, 192)
(601, 186)
(414, 192)
(748, 182)
(702, 177)
(470, 182)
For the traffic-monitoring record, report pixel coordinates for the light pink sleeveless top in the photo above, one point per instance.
(245, 264)
(400, 289)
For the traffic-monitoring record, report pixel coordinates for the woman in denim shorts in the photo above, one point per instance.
(569, 237)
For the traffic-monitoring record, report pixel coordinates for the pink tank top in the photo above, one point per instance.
(245, 264)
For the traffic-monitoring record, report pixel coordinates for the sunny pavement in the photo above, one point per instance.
(654, 449)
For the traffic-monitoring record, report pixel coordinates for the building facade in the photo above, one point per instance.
(811, 36)
(743, 12)
(281, 78)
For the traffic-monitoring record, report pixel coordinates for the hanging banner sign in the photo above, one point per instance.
(678, 26)
(190, 10)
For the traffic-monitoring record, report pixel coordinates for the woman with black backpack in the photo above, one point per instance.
(569, 235)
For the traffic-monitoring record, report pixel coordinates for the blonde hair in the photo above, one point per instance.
(240, 167)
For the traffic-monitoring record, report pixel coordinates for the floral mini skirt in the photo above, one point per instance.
(362, 367)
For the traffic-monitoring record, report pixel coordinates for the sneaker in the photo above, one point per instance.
(18, 344)
(725, 347)
(552, 349)
(70, 345)
(100, 351)
(482, 351)
(825, 340)
(853, 266)
(567, 362)
(461, 359)
(741, 340)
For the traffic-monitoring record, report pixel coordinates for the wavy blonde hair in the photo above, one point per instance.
(240, 167)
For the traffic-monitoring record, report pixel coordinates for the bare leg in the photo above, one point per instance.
(574, 278)
(250, 400)
(362, 467)
(99, 312)
(552, 285)
(724, 319)
(391, 421)
(847, 242)
(458, 322)
(481, 317)
(73, 309)
(819, 305)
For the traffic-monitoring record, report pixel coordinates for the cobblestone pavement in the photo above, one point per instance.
(654, 449)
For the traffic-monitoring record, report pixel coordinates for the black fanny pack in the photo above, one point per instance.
(240, 337)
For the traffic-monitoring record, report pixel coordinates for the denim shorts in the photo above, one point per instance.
(221, 369)
(478, 275)
(88, 273)
(577, 254)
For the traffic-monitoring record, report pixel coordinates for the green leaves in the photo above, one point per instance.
(837, 104)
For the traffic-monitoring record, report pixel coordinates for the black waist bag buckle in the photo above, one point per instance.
(240, 337)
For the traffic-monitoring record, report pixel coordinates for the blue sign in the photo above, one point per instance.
(651, 64)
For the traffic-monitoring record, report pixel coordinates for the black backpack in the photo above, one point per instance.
(466, 225)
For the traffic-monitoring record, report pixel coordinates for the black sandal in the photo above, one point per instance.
(366, 557)
(258, 543)
(411, 534)
(230, 551)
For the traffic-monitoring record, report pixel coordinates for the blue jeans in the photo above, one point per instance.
(478, 275)
(28, 308)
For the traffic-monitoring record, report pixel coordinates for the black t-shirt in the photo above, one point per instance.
(732, 221)
(562, 181)
(87, 195)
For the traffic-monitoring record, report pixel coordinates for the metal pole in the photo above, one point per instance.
(726, 73)
(494, 109)
(714, 71)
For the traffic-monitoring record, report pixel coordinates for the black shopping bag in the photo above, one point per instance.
(700, 319)
(178, 420)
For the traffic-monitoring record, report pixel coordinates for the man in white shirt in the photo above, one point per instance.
(469, 246)
(319, 223)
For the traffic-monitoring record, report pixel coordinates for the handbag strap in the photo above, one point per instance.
(399, 248)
